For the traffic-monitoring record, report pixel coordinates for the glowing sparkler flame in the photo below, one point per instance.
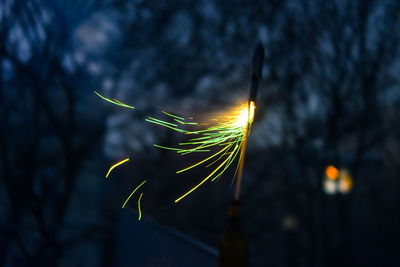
(227, 133)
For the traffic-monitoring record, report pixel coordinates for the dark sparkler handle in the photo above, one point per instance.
(233, 247)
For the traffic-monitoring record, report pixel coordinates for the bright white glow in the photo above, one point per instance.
(246, 117)
(330, 186)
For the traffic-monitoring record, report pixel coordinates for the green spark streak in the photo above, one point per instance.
(114, 101)
(166, 124)
(223, 135)
(173, 116)
(187, 123)
(126, 201)
(201, 162)
(180, 150)
(162, 122)
(116, 165)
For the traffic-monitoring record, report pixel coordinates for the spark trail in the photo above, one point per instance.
(226, 134)
(119, 103)
(116, 165)
(114, 101)
(126, 201)
(140, 213)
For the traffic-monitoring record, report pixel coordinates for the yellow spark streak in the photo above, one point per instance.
(116, 165)
(198, 163)
(140, 213)
(115, 101)
(229, 163)
(126, 201)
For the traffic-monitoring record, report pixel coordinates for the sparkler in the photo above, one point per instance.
(226, 134)
(256, 73)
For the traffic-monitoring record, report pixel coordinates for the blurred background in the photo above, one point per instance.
(329, 97)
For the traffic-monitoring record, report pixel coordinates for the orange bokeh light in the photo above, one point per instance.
(331, 172)
(345, 182)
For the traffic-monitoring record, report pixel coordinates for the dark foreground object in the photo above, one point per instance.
(233, 248)
(148, 243)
